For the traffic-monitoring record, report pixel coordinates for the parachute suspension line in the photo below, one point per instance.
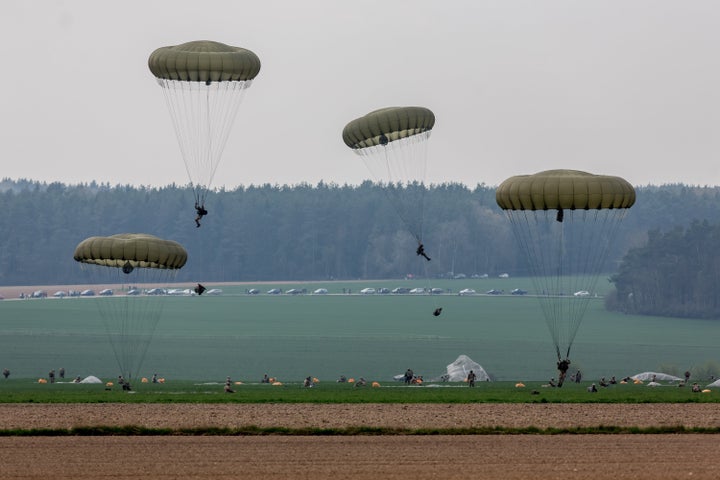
(600, 227)
(531, 233)
(202, 116)
(399, 167)
(129, 321)
(172, 99)
(563, 258)
(225, 107)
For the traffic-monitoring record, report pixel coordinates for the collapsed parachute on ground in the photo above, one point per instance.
(657, 377)
(565, 221)
(204, 83)
(458, 371)
(393, 145)
(91, 379)
(130, 259)
(715, 384)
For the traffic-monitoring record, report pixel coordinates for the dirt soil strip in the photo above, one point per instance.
(405, 416)
(511, 457)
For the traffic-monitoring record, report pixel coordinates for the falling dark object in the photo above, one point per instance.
(421, 251)
(200, 289)
(437, 312)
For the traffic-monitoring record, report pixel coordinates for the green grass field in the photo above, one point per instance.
(179, 391)
(372, 336)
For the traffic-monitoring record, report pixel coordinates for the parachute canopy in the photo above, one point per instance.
(387, 125)
(565, 221)
(134, 249)
(392, 143)
(137, 259)
(564, 189)
(204, 83)
(204, 61)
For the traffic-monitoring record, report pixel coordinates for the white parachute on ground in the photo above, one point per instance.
(459, 369)
(715, 384)
(656, 376)
(91, 379)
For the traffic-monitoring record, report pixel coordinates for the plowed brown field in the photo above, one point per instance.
(639, 456)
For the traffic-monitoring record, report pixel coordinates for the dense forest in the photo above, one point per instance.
(677, 273)
(329, 231)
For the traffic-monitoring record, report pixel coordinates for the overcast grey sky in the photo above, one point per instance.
(626, 88)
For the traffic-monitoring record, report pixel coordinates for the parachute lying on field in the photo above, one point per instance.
(565, 221)
(656, 377)
(130, 259)
(459, 369)
(204, 83)
(393, 144)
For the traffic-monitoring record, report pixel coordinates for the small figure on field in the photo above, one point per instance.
(51, 375)
(562, 367)
(6, 372)
(408, 376)
(228, 386)
(471, 379)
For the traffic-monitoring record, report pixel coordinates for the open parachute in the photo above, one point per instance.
(393, 144)
(204, 83)
(565, 221)
(135, 259)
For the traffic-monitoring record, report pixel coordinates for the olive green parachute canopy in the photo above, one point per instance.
(204, 61)
(566, 221)
(137, 250)
(564, 189)
(387, 125)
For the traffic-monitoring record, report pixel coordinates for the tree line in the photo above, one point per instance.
(675, 274)
(309, 232)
